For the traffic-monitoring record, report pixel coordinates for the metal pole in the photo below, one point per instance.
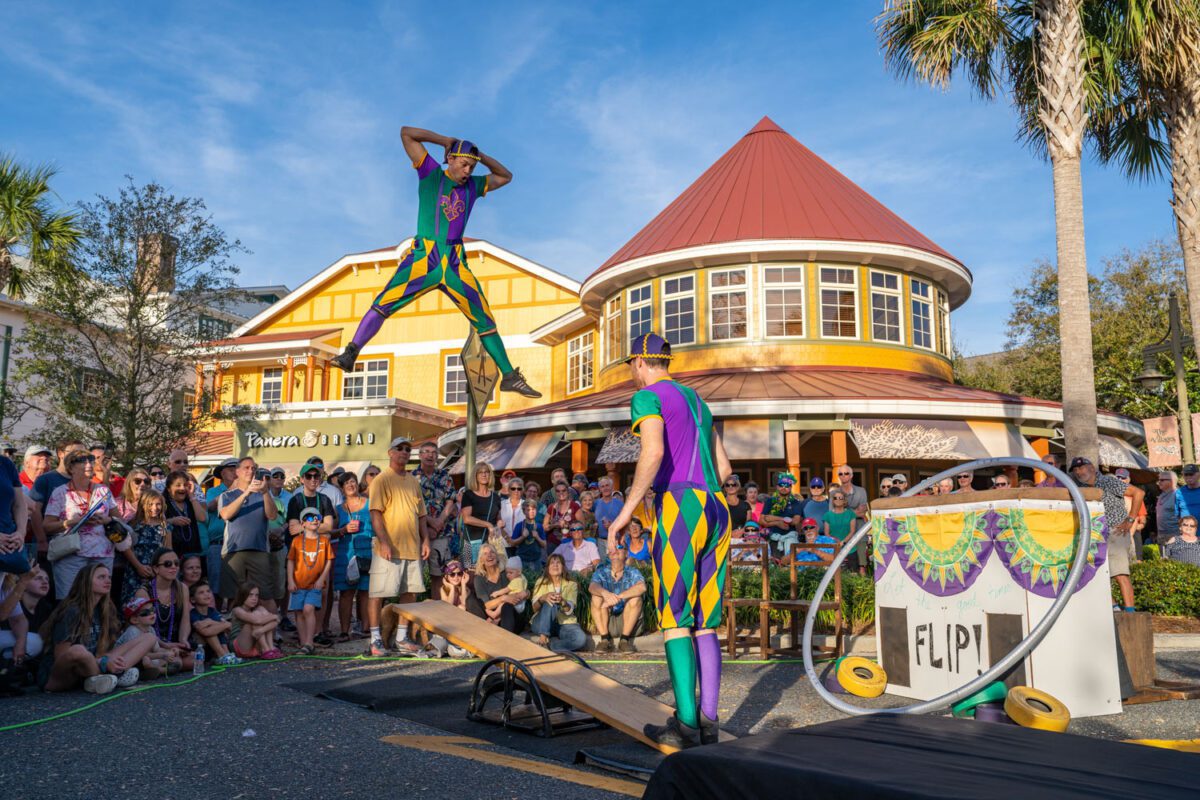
(1185, 413)
(469, 447)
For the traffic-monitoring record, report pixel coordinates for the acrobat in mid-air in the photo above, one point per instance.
(436, 259)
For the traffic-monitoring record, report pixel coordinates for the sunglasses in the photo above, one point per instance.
(809, 528)
(964, 477)
(403, 447)
(732, 483)
(146, 612)
(1162, 480)
(168, 564)
(1001, 484)
(576, 530)
(516, 488)
(845, 474)
(900, 483)
(312, 476)
(157, 475)
(139, 481)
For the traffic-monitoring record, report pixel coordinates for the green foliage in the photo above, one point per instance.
(1163, 586)
(1129, 312)
(32, 232)
(1150, 552)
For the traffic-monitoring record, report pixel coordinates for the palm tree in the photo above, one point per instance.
(995, 43)
(29, 226)
(1151, 123)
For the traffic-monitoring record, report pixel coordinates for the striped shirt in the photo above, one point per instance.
(1179, 550)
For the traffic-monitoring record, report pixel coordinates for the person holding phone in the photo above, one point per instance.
(247, 515)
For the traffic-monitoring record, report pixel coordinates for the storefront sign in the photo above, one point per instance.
(1162, 441)
(311, 438)
(344, 438)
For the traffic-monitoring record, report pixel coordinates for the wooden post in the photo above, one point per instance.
(1041, 446)
(324, 380)
(199, 390)
(579, 456)
(837, 449)
(289, 376)
(309, 363)
(791, 449)
(610, 469)
(218, 375)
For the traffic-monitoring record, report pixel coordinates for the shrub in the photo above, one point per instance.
(1163, 586)
(1150, 552)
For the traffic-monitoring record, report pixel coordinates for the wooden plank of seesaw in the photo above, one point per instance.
(625, 709)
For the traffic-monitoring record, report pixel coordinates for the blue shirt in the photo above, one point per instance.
(215, 527)
(10, 484)
(816, 509)
(45, 485)
(1187, 502)
(248, 529)
(606, 509)
(809, 555)
(603, 578)
(361, 541)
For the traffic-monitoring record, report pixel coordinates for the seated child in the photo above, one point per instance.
(160, 660)
(254, 626)
(751, 534)
(208, 628)
(516, 583)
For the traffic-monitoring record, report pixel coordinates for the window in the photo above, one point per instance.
(727, 304)
(679, 310)
(612, 330)
(783, 300)
(454, 383)
(368, 381)
(942, 309)
(885, 307)
(272, 386)
(579, 363)
(641, 311)
(210, 328)
(839, 314)
(922, 316)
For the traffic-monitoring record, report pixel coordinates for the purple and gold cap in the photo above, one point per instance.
(461, 148)
(649, 345)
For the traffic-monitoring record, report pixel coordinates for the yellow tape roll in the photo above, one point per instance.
(1184, 745)
(861, 676)
(1032, 708)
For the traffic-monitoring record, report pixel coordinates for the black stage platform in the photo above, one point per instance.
(888, 756)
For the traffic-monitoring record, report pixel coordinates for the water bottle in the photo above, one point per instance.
(198, 662)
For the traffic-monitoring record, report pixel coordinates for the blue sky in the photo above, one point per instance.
(285, 119)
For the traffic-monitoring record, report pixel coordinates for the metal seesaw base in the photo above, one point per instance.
(540, 713)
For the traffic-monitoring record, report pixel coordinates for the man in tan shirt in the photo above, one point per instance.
(400, 543)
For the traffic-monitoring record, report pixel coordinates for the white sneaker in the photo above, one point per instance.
(128, 678)
(100, 684)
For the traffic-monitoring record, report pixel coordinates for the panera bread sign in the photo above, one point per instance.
(310, 438)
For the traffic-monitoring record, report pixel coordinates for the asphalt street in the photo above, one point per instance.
(189, 740)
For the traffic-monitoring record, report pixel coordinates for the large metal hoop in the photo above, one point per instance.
(1019, 652)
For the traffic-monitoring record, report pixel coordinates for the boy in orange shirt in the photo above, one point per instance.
(309, 561)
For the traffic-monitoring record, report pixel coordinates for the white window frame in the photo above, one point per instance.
(784, 286)
(581, 363)
(274, 376)
(613, 323)
(851, 287)
(454, 369)
(917, 299)
(667, 297)
(644, 304)
(898, 295)
(730, 289)
(941, 319)
(362, 376)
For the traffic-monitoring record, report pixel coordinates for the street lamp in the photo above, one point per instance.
(1151, 379)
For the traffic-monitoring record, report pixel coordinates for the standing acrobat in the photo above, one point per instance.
(683, 458)
(436, 259)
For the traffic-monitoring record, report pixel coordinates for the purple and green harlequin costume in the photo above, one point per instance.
(690, 541)
(437, 260)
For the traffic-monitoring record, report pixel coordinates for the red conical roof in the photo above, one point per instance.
(769, 186)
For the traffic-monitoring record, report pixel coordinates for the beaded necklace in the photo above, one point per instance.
(158, 615)
(181, 512)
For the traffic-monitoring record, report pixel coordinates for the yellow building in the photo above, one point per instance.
(813, 320)
(408, 380)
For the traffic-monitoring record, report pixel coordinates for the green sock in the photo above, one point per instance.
(495, 348)
(681, 664)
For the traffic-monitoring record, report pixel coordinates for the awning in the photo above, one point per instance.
(1117, 453)
(527, 451)
(937, 440)
(744, 440)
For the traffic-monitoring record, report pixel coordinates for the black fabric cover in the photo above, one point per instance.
(890, 756)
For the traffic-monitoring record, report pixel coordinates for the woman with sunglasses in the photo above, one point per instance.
(172, 608)
(512, 512)
(186, 515)
(559, 516)
(136, 482)
(150, 533)
(481, 509)
(66, 509)
(739, 509)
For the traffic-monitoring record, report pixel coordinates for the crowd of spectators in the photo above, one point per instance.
(112, 579)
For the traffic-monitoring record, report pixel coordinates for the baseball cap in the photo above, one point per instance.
(229, 462)
(1191, 469)
(37, 450)
(750, 525)
(309, 513)
(131, 608)
(515, 563)
(816, 483)
(579, 476)
(399, 440)
(316, 460)
(307, 468)
(649, 345)
(338, 470)
(278, 471)
(1121, 472)
(900, 477)
(1081, 461)
(808, 522)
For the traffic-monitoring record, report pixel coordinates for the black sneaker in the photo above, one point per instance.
(673, 734)
(514, 382)
(626, 645)
(605, 645)
(710, 730)
(347, 358)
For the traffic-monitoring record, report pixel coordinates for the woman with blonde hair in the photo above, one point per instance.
(150, 532)
(136, 483)
(481, 510)
(490, 579)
